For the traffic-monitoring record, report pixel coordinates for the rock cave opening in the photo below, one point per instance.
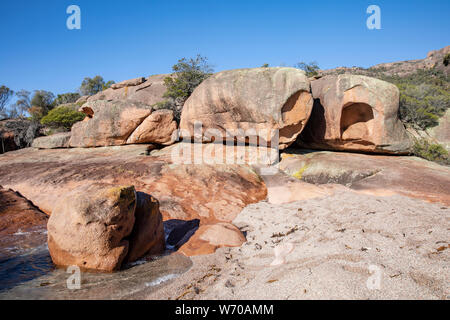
(356, 121)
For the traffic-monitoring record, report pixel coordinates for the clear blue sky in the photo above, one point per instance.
(126, 39)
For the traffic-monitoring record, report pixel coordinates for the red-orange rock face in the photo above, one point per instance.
(210, 237)
(18, 214)
(158, 128)
(119, 122)
(88, 227)
(210, 193)
(147, 91)
(355, 113)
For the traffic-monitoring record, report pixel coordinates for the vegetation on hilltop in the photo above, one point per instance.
(311, 69)
(91, 86)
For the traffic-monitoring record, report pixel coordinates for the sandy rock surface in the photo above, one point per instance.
(345, 246)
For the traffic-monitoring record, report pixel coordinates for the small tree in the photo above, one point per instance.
(91, 86)
(265, 65)
(5, 95)
(41, 104)
(66, 98)
(23, 103)
(187, 75)
(311, 69)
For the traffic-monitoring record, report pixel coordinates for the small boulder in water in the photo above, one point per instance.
(99, 226)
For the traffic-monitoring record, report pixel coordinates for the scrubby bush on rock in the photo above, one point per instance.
(187, 75)
(431, 151)
(62, 117)
(311, 69)
(422, 105)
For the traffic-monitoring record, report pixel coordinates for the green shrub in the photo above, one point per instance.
(311, 69)
(422, 105)
(433, 152)
(186, 76)
(62, 117)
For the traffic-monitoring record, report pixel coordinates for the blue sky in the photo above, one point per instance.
(126, 39)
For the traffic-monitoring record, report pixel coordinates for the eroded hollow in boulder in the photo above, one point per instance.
(357, 122)
(295, 113)
(87, 111)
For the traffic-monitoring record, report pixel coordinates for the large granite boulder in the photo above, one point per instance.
(239, 105)
(54, 141)
(356, 113)
(146, 90)
(119, 122)
(159, 127)
(90, 225)
(98, 226)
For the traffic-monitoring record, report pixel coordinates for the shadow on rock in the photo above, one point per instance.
(178, 232)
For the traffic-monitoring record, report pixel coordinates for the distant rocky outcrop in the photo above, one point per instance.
(95, 227)
(434, 60)
(355, 113)
(119, 122)
(232, 104)
(17, 133)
